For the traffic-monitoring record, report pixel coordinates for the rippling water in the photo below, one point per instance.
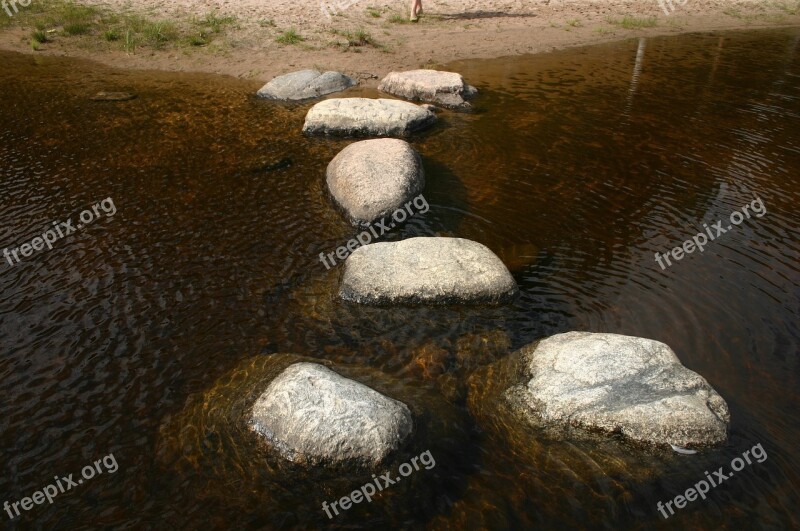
(576, 167)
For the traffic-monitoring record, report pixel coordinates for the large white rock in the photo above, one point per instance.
(372, 178)
(314, 416)
(305, 84)
(618, 384)
(426, 271)
(367, 117)
(443, 88)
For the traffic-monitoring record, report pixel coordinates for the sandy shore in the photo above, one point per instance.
(448, 31)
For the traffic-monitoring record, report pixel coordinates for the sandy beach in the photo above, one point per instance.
(368, 38)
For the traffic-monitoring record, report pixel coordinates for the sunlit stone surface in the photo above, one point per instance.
(305, 84)
(367, 117)
(312, 415)
(443, 88)
(619, 384)
(426, 271)
(372, 178)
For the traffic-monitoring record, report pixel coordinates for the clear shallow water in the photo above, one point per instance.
(575, 168)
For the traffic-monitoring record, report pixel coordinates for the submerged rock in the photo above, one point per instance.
(113, 96)
(367, 117)
(444, 88)
(312, 415)
(210, 448)
(519, 256)
(616, 384)
(305, 84)
(426, 271)
(448, 362)
(372, 178)
(285, 162)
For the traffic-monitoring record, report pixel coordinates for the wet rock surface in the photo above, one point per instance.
(312, 415)
(613, 384)
(210, 448)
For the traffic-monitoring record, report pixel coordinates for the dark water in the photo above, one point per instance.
(132, 335)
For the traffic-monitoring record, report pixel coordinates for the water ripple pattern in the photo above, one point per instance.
(575, 167)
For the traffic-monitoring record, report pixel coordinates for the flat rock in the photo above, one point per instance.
(618, 384)
(444, 88)
(367, 117)
(372, 178)
(311, 415)
(305, 84)
(426, 271)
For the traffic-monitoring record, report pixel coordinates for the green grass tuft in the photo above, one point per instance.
(198, 40)
(75, 19)
(39, 36)
(289, 37)
(629, 22)
(76, 28)
(124, 28)
(216, 23)
(790, 8)
(130, 41)
(159, 33)
(111, 35)
(101, 25)
(357, 38)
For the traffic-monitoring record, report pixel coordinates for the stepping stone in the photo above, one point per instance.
(426, 271)
(367, 117)
(443, 88)
(305, 84)
(313, 416)
(613, 383)
(373, 178)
